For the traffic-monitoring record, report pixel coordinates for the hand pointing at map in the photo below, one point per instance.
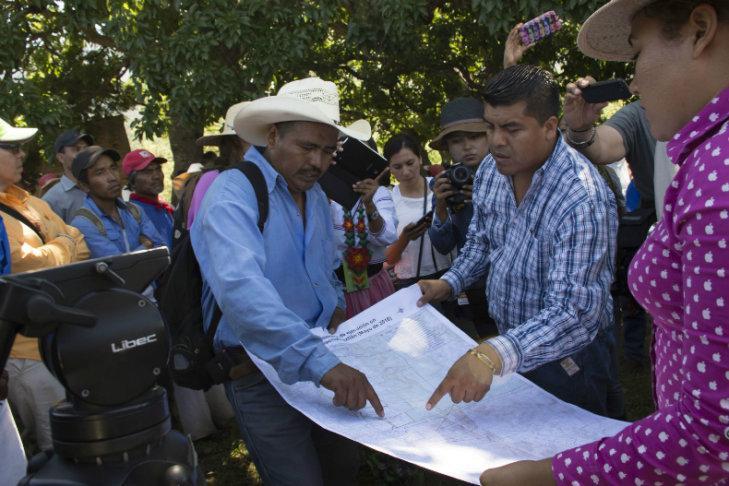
(469, 378)
(351, 389)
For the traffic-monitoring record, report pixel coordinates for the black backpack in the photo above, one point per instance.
(193, 363)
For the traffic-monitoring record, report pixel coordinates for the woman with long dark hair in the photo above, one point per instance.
(412, 255)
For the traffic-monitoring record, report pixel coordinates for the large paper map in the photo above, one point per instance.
(405, 351)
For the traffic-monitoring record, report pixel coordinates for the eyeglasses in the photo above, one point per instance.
(13, 148)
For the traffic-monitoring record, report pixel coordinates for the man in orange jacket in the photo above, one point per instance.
(38, 239)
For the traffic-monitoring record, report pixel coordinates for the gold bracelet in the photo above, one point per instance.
(483, 357)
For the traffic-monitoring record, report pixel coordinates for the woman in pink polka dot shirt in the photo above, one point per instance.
(681, 274)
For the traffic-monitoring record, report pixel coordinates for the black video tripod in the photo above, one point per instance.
(107, 345)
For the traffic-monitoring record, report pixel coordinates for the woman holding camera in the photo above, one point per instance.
(412, 255)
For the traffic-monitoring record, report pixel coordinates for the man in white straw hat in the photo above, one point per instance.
(273, 280)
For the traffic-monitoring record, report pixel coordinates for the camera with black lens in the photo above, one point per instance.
(458, 175)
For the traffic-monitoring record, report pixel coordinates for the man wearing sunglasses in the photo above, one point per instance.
(38, 238)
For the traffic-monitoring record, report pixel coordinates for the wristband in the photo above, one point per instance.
(584, 144)
(581, 131)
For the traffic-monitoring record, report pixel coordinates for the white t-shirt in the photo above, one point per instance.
(409, 210)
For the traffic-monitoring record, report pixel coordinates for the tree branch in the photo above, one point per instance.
(102, 40)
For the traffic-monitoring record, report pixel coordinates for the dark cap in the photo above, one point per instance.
(70, 137)
(459, 115)
(88, 157)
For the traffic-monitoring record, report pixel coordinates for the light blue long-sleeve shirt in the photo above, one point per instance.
(272, 287)
(119, 238)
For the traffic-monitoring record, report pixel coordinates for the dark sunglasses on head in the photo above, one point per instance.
(11, 147)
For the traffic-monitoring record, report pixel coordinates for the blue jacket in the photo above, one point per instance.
(161, 219)
(118, 238)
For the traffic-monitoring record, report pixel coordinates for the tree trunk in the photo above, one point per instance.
(109, 133)
(182, 142)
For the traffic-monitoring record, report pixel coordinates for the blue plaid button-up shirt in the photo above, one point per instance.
(551, 258)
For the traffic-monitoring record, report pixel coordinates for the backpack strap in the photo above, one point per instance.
(88, 214)
(134, 209)
(255, 177)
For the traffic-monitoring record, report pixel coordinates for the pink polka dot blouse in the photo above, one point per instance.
(681, 277)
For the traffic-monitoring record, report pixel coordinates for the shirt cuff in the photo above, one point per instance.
(509, 352)
(438, 224)
(454, 281)
(318, 364)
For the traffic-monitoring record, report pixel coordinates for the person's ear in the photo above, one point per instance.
(550, 128)
(702, 24)
(272, 137)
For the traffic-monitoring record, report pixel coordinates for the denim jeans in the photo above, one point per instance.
(286, 447)
(594, 383)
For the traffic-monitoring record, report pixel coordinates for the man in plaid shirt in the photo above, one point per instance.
(545, 225)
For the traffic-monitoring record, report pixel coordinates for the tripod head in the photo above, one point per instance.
(106, 344)
(104, 341)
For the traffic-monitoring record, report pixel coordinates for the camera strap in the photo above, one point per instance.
(422, 237)
(20, 217)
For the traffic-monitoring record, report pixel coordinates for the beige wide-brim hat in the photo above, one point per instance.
(228, 130)
(605, 34)
(474, 126)
(310, 99)
(10, 134)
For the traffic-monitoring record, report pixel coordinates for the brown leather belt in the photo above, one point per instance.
(244, 366)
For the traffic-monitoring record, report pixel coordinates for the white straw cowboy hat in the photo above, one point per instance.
(604, 35)
(214, 139)
(310, 99)
(10, 134)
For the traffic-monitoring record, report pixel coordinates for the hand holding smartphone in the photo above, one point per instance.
(540, 27)
(427, 219)
(609, 90)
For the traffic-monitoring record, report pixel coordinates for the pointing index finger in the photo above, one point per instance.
(439, 392)
(375, 401)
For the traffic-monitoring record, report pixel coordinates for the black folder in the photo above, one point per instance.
(356, 162)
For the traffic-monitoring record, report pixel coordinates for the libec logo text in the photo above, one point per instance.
(127, 344)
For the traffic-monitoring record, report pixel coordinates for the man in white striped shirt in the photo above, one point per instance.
(545, 225)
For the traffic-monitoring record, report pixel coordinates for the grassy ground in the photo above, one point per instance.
(226, 461)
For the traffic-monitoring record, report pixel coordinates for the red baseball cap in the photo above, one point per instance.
(46, 179)
(138, 160)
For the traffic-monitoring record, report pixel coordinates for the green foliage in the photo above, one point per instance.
(396, 62)
(54, 74)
